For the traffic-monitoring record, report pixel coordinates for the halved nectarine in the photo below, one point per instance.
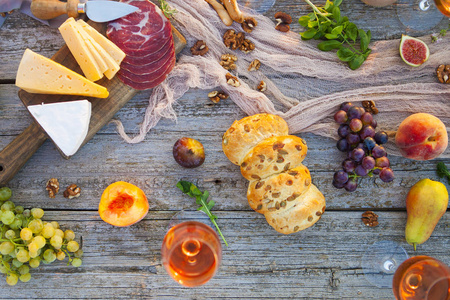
(123, 204)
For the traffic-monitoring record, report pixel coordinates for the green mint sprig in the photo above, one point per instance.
(201, 199)
(327, 23)
(166, 9)
(442, 171)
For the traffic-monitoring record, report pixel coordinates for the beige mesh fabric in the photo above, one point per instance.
(304, 85)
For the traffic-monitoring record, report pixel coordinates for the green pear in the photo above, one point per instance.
(426, 203)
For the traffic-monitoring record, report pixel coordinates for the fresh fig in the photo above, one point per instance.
(413, 51)
(188, 153)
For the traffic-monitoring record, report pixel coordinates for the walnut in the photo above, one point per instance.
(72, 191)
(52, 187)
(233, 40)
(443, 73)
(370, 219)
(249, 24)
(247, 46)
(228, 61)
(369, 106)
(215, 96)
(199, 48)
(231, 80)
(262, 86)
(283, 20)
(254, 65)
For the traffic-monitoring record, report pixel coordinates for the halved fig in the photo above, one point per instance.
(413, 51)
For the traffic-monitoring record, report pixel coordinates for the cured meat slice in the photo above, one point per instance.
(149, 68)
(144, 30)
(147, 84)
(145, 59)
(146, 37)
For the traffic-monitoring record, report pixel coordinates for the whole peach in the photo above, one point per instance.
(421, 136)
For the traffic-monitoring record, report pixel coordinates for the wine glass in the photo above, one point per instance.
(422, 277)
(380, 261)
(421, 15)
(191, 251)
(260, 6)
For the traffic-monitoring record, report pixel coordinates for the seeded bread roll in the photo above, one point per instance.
(300, 214)
(273, 155)
(277, 191)
(244, 134)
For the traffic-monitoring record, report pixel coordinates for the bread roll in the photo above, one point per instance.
(277, 191)
(249, 131)
(280, 185)
(300, 215)
(273, 155)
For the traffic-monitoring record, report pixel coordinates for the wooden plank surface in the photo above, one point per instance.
(322, 262)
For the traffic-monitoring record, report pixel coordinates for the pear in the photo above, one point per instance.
(426, 203)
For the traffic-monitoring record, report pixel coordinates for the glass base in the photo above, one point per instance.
(418, 15)
(380, 262)
(260, 6)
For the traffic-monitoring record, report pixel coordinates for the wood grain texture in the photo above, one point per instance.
(322, 262)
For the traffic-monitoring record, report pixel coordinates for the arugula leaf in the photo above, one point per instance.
(201, 199)
(442, 171)
(327, 23)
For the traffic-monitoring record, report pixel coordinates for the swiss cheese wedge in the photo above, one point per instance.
(66, 123)
(82, 53)
(38, 74)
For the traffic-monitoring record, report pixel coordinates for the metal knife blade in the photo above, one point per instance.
(104, 11)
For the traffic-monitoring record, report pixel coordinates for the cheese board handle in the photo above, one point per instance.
(49, 9)
(17, 153)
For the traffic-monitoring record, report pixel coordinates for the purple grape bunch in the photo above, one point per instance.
(365, 154)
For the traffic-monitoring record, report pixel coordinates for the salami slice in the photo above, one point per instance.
(146, 37)
(139, 31)
(148, 84)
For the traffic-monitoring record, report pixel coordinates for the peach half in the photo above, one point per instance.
(421, 136)
(123, 204)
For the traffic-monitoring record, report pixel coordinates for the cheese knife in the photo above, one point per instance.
(97, 11)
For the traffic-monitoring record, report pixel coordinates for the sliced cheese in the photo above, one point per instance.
(116, 53)
(38, 74)
(80, 51)
(66, 123)
(111, 65)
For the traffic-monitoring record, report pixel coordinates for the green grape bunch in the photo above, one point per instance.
(338, 32)
(26, 241)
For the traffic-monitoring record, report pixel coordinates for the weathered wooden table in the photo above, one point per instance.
(322, 262)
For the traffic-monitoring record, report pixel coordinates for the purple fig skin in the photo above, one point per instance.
(188, 153)
(426, 203)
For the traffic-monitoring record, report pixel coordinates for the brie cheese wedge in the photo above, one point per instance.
(66, 123)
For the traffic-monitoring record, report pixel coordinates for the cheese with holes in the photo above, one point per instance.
(66, 123)
(80, 51)
(112, 65)
(116, 53)
(38, 74)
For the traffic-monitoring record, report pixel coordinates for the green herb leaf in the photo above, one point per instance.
(331, 36)
(364, 40)
(303, 21)
(166, 9)
(352, 31)
(337, 30)
(337, 2)
(308, 34)
(329, 45)
(336, 14)
(356, 62)
(442, 171)
(201, 199)
(345, 54)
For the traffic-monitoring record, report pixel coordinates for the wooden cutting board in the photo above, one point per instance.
(17, 153)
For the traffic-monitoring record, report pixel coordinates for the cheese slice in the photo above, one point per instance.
(116, 53)
(111, 65)
(38, 74)
(80, 51)
(66, 123)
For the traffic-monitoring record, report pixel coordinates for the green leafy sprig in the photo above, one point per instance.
(442, 171)
(201, 199)
(166, 9)
(327, 23)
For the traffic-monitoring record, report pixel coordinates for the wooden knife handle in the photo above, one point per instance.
(49, 9)
(17, 153)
